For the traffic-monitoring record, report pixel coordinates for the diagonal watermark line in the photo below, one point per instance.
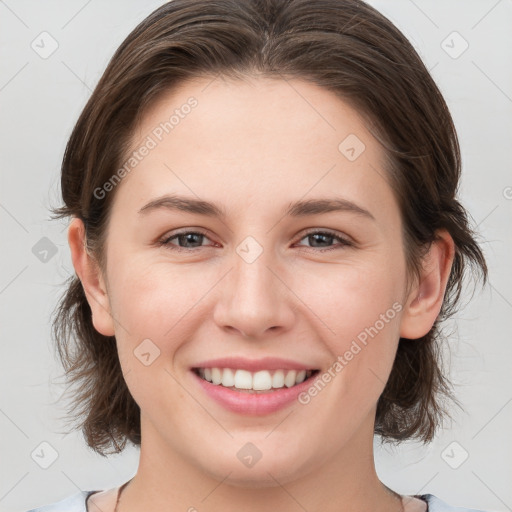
(90, 90)
(66, 225)
(288, 82)
(492, 211)
(65, 474)
(13, 279)
(287, 492)
(425, 484)
(492, 81)
(431, 69)
(383, 382)
(502, 296)
(14, 76)
(14, 423)
(12, 12)
(424, 13)
(110, 314)
(76, 14)
(116, 469)
(68, 271)
(508, 508)
(197, 302)
(5, 495)
(503, 407)
(349, 23)
(197, 401)
(96, 506)
(301, 300)
(210, 83)
(215, 488)
(13, 218)
(486, 14)
(280, 423)
(384, 178)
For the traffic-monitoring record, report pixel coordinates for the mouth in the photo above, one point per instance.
(262, 381)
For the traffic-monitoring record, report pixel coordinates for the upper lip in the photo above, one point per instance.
(254, 365)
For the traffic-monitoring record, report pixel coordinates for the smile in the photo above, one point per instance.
(254, 382)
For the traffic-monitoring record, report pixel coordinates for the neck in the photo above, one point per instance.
(345, 481)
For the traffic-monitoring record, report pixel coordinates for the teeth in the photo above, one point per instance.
(257, 381)
(261, 380)
(278, 379)
(289, 380)
(228, 377)
(243, 379)
(301, 376)
(216, 375)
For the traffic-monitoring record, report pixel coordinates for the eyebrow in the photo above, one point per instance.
(294, 209)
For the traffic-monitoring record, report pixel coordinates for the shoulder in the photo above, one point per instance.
(76, 503)
(73, 503)
(435, 504)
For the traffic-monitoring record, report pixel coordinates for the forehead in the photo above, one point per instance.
(252, 109)
(256, 140)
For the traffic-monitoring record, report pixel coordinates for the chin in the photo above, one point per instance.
(270, 471)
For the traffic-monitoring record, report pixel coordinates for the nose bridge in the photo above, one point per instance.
(252, 277)
(254, 299)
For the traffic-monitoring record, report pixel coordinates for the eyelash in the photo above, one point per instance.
(343, 241)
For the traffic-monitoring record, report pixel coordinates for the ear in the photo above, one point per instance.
(425, 299)
(90, 275)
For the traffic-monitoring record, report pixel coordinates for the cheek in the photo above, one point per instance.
(149, 297)
(360, 309)
(348, 298)
(147, 304)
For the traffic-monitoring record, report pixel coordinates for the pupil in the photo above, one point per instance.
(319, 235)
(189, 238)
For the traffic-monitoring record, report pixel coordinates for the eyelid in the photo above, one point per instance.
(344, 241)
(326, 231)
(168, 236)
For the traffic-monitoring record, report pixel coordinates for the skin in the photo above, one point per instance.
(253, 146)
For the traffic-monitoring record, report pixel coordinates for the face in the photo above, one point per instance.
(276, 286)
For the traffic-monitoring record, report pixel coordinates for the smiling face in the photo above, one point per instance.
(254, 281)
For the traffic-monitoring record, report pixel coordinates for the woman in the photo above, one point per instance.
(266, 235)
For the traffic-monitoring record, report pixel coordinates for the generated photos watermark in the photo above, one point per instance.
(344, 359)
(150, 142)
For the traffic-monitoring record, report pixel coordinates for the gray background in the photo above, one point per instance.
(40, 100)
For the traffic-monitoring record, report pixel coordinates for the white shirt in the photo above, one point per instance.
(77, 503)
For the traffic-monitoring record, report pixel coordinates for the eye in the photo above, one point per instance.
(185, 237)
(193, 239)
(323, 237)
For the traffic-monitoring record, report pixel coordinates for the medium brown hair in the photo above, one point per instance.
(344, 46)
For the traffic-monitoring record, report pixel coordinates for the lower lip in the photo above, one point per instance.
(253, 404)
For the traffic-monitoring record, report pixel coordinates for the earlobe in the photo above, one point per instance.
(91, 277)
(425, 299)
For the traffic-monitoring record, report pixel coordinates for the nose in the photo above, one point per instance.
(254, 299)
